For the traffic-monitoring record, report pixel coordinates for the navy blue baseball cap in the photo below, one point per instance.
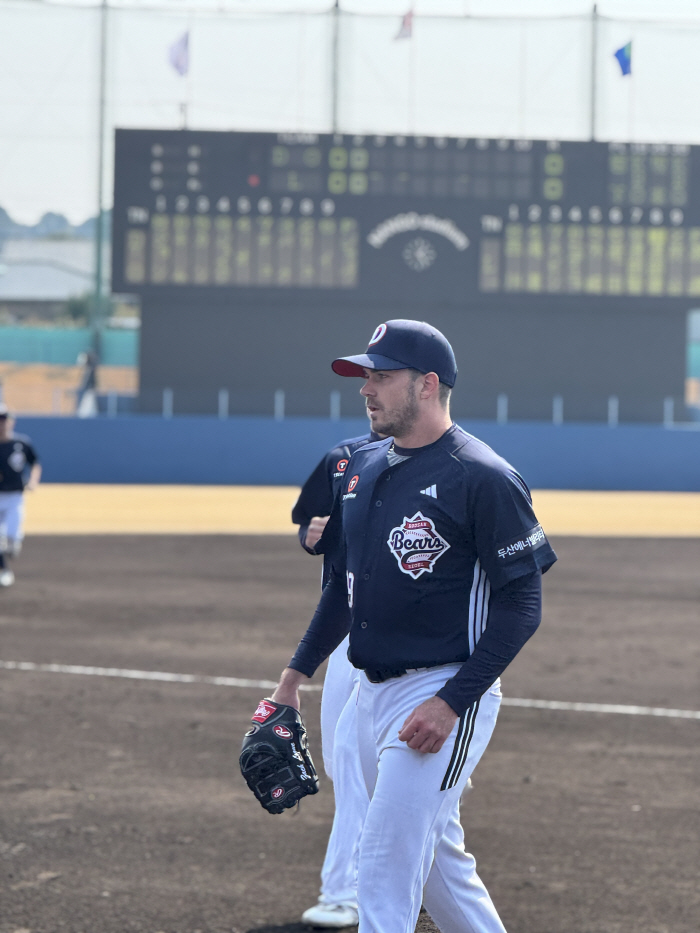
(404, 345)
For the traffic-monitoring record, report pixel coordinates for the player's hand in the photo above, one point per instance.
(428, 726)
(315, 530)
(287, 690)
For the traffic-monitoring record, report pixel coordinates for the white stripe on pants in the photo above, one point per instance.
(412, 847)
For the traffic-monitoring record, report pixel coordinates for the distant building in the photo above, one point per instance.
(38, 275)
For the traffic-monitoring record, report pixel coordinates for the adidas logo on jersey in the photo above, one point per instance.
(430, 491)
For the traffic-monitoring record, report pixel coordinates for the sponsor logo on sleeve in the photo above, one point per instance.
(417, 545)
(340, 467)
(528, 542)
(264, 711)
(351, 485)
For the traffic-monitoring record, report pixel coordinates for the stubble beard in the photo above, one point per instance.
(400, 421)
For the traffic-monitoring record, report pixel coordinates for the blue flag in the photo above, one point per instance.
(624, 58)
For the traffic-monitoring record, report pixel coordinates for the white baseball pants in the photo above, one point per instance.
(341, 763)
(11, 522)
(412, 846)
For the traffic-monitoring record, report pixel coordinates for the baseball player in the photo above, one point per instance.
(437, 580)
(17, 458)
(337, 905)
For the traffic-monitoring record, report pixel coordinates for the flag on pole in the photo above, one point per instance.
(624, 59)
(179, 54)
(406, 28)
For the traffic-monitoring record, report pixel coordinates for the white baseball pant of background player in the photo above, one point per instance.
(11, 519)
(412, 845)
(342, 765)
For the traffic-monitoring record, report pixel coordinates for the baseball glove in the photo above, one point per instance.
(275, 760)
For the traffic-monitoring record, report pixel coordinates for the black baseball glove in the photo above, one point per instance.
(275, 760)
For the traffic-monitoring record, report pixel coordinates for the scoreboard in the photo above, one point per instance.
(290, 218)
(555, 268)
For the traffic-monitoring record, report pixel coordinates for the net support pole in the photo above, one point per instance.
(594, 66)
(335, 74)
(98, 297)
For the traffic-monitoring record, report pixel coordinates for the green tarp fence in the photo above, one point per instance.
(62, 345)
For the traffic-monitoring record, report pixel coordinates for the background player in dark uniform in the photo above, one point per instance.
(437, 578)
(315, 501)
(337, 905)
(19, 470)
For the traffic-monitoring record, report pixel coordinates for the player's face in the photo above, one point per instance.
(6, 424)
(391, 397)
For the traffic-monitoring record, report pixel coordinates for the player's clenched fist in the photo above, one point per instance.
(315, 530)
(428, 726)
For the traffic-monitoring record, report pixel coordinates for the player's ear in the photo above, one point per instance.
(430, 385)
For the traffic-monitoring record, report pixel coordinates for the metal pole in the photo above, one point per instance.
(223, 404)
(668, 412)
(558, 410)
(613, 411)
(335, 405)
(279, 405)
(594, 64)
(334, 66)
(99, 232)
(502, 408)
(168, 403)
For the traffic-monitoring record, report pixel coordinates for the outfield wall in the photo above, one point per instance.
(262, 451)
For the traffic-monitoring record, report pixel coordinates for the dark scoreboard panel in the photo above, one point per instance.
(286, 219)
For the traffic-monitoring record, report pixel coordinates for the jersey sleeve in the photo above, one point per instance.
(31, 454)
(515, 612)
(510, 542)
(331, 621)
(315, 498)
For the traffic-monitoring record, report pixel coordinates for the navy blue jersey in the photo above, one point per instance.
(16, 454)
(320, 489)
(421, 546)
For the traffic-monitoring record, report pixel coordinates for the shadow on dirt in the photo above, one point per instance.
(288, 928)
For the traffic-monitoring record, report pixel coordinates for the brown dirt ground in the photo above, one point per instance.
(121, 805)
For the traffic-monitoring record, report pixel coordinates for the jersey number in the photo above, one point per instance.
(351, 588)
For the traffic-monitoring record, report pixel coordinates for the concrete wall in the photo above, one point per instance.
(261, 451)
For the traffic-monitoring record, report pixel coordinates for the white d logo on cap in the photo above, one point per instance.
(378, 334)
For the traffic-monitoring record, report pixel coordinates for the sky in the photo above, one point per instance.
(503, 68)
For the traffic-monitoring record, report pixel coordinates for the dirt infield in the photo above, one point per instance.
(74, 508)
(121, 806)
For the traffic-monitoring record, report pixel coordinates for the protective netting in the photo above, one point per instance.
(454, 75)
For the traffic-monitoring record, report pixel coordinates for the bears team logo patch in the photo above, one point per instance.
(282, 731)
(417, 545)
(264, 711)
